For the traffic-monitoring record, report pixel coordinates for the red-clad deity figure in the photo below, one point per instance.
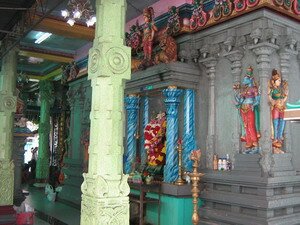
(247, 101)
(149, 31)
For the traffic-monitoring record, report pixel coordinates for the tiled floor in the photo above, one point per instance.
(54, 213)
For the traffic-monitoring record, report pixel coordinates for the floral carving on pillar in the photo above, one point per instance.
(7, 180)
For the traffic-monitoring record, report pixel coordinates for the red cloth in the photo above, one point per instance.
(248, 117)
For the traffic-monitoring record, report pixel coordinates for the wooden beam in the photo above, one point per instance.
(53, 74)
(61, 28)
(47, 56)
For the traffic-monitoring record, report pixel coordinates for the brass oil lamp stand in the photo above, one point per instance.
(180, 181)
(195, 178)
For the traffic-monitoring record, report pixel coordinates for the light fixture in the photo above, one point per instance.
(42, 38)
(71, 22)
(79, 10)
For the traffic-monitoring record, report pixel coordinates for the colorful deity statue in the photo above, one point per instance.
(149, 32)
(247, 98)
(278, 93)
(155, 138)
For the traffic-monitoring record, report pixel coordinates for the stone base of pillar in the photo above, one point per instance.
(102, 211)
(71, 193)
(243, 196)
(18, 197)
(7, 215)
(40, 183)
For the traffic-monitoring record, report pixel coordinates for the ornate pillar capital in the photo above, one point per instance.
(285, 56)
(46, 91)
(210, 64)
(263, 52)
(235, 57)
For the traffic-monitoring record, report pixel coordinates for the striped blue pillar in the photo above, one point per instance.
(145, 122)
(172, 101)
(189, 142)
(132, 106)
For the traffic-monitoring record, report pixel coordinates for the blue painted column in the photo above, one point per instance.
(132, 106)
(145, 122)
(172, 101)
(189, 143)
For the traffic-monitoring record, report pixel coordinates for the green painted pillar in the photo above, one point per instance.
(7, 109)
(46, 98)
(105, 189)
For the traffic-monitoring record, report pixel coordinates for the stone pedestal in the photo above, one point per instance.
(245, 196)
(71, 193)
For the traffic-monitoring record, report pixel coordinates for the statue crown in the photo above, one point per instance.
(249, 72)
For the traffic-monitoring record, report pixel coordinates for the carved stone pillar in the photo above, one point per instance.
(235, 57)
(19, 141)
(42, 165)
(263, 52)
(189, 142)
(105, 189)
(73, 161)
(76, 101)
(210, 64)
(172, 101)
(285, 56)
(145, 122)
(7, 110)
(132, 106)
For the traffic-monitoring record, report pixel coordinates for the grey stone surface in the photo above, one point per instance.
(163, 75)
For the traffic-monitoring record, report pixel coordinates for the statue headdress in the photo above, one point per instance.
(275, 75)
(148, 12)
(249, 72)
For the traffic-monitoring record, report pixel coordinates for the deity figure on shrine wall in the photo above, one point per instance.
(149, 32)
(155, 138)
(278, 93)
(247, 99)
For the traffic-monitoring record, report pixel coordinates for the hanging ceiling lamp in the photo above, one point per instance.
(79, 10)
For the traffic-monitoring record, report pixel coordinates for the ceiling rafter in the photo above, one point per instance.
(46, 56)
(61, 28)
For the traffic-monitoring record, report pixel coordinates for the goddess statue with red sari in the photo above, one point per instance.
(247, 98)
(148, 35)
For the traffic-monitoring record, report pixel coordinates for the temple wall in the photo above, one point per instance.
(224, 109)
(214, 42)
